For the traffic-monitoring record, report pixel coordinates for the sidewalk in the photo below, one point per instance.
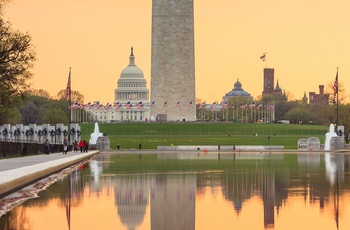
(21, 171)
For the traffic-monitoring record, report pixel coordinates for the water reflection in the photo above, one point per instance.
(294, 191)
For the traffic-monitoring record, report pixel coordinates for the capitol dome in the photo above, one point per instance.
(132, 86)
(132, 71)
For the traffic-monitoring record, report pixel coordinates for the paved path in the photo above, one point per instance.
(21, 171)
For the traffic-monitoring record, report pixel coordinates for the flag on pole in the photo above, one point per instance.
(202, 105)
(67, 93)
(177, 104)
(139, 105)
(153, 103)
(252, 105)
(165, 104)
(190, 103)
(263, 57)
(128, 105)
(259, 106)
(335, 85)
(212, 105)
(224, 105)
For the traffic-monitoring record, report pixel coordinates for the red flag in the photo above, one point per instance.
(67, 93)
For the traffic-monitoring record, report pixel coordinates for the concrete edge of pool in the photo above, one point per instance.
(23, 171)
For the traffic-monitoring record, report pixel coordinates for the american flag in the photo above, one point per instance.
(263, 57)
(153, 103)
(252, 105)
(87, 106)
(224, 105)
(117, 105)
(189, 103)
(202, 105)
(128, 105)
(243, 106)
(177, 104)
(139, 105)
(212, 105)
(67, 93)
(165, 104)
(335, 85)
(259, 106)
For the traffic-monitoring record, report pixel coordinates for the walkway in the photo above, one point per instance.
(21, 171)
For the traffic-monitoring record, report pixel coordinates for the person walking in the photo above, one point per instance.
(86, 146)
(81, 145)
(75, 146)
(65, 146)
(47, 146)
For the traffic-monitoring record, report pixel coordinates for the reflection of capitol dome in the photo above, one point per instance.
(131, 194)
(131, 215)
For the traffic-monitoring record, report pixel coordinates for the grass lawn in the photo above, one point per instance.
(151, 135)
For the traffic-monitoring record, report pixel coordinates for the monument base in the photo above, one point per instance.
(103, 143)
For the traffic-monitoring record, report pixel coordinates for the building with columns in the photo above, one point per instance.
(131, 98)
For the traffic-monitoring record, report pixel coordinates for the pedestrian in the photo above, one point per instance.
(47, 146)
(86, 146)
(81, 145)
(75, 146)
(65, 146)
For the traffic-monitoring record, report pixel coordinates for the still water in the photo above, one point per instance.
(193, 192)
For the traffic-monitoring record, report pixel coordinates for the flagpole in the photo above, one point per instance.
(337, 100)
(70, 103)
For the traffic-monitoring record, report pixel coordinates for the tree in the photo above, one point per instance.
(75, 96)
(17, 56)
(55, 116)
(31, 113)
(39, 93)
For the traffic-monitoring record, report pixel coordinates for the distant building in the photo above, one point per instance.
(269, 81)
(131, 98)
(304, 99)
(320, 98)
(237, 91)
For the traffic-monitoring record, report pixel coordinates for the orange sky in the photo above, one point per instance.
(305, 42)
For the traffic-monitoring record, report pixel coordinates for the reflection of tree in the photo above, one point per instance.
(16, 219)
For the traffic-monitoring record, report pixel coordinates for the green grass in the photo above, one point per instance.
(151, 135)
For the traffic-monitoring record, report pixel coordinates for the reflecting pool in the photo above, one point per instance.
(193, 191)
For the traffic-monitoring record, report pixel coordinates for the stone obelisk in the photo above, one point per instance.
(172, 61)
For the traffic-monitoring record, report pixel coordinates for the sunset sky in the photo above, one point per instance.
(305, 41)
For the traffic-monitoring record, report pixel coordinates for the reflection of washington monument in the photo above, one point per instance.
(172, 60)
(173, 202)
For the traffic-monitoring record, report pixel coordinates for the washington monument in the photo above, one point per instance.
(172, 61)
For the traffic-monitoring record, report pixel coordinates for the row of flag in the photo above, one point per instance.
(118, 105)
(140, 105)
(242, 106)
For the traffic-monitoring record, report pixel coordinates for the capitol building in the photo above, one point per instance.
(131, 98)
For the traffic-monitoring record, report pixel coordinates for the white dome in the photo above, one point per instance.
(131, 71)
